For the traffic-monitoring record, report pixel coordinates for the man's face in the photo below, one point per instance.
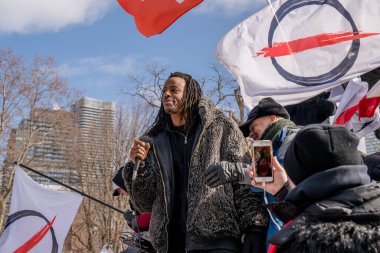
(258, 126)
(172, 95)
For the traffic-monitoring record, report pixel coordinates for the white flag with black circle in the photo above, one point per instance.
(39, 219)
(293, 50)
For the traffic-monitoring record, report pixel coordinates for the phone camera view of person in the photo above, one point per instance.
(263, 168)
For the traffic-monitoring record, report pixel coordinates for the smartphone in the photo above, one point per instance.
(262, 161)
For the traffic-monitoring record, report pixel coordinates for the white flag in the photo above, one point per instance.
(362, 126)
(39, 219)
(374, 91)
(349, 103)
(293, 50)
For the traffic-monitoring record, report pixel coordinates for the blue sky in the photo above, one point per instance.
(96, 44)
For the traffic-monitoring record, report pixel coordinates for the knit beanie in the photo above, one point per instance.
(320, 147)
(267, 106)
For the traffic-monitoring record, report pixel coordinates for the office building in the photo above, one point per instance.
(94, 121)
(44, 142)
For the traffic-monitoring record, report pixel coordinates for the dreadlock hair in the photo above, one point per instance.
(189, 105)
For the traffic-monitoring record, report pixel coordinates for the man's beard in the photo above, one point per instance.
(170, 111)
(177, 107)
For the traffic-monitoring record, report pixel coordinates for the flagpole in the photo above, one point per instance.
(280, 27)
(69, 187)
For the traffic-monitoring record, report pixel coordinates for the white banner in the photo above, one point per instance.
(349, 103)
(374, 91)
(293, 50)
(39, 219)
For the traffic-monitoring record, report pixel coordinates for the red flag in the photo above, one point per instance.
(153, 16)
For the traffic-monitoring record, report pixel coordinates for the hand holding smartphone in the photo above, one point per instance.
(262, 161)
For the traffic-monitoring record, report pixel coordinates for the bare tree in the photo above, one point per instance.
(102, 155)
(132, 119)
(27, 91)
(148, 86)
(219, 86)
(224, 92)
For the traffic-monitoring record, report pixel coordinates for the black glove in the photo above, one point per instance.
(226, 172)
(129, 216)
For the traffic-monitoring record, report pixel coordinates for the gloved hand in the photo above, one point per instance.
(130, 217)
(226, 172)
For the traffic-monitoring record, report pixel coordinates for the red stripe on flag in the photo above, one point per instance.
(36, 238)
(345, 116)
(320, 40)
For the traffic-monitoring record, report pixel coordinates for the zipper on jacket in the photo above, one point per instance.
(197, 139)
(178, 132)
(184, 136)
(166, 201)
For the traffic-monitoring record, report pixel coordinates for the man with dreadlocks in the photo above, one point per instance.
(188, 135)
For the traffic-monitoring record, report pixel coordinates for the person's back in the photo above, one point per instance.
(334, 207)
(348, 221)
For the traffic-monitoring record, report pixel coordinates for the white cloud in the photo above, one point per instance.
(230, 7)
(100, 65)
(27, 16)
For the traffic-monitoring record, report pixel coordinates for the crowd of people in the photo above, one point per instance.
(196, 181)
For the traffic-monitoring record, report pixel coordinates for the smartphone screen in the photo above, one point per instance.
(263, 162)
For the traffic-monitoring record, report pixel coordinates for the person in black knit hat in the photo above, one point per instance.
(334, 206)
(320, 147)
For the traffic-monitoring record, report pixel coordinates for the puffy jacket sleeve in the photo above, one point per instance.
(143, 189)
(252, 215)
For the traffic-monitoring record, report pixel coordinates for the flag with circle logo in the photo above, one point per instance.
(293, 50)
(39, 219)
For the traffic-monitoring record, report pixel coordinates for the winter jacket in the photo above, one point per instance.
(214, 214)
(280, 133)
(337, 210)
